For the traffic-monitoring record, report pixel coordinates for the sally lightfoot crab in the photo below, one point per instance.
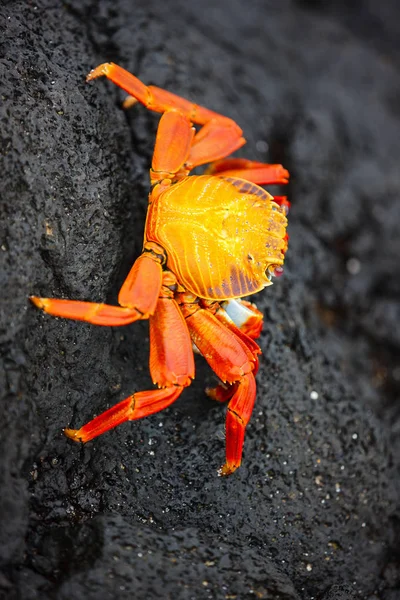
(209, 241)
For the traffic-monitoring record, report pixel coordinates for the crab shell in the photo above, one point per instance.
(220, 235)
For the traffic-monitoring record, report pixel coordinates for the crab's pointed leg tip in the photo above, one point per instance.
(72, 434)
(39, 302)
(226, 470)
(98, 71)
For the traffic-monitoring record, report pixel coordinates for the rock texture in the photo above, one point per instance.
(140, 512)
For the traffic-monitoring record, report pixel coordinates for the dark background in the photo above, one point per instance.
(140, 512)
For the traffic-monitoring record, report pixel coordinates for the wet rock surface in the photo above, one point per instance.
(140, 512)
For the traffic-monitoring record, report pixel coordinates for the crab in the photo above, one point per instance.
(209, 241)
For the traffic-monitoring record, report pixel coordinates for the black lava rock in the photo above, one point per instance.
(140, 512)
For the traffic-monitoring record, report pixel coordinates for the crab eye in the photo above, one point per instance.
(275, 271)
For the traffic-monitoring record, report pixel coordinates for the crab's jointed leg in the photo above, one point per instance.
(234, 362)
(138, 298)
(173, 142)
(171, 368)
(219, 136)
(152, 97)
(136, 406)
(245, 321)
(256, 172)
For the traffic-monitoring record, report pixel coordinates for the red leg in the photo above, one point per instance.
(177, 149)
(152, 97)
(171, 354)
(244, 316)
(219, 137)
(141, 288)
(173, 142)
(233, 362)
(141, 404)
(138, 297)
(256, 172)
(215, 140)
(171, 367)
(91, 312)
(240, 331)
(238, 415)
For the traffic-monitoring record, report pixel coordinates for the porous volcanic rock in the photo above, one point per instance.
(140, 512)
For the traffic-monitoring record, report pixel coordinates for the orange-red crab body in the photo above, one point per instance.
(209, 240)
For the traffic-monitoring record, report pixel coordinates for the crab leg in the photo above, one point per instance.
(215, 140)
(171, 368)
(141, 287)
(138, 297)
(178, 148)
(141, 404)
(233, 362)
(174, 139)
(239, 321)
(256, 172)
(220, 135)
(91, 312)
(152, 97)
